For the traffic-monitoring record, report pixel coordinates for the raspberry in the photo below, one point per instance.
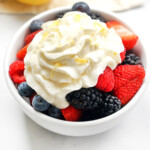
(16, 70)
(106, 80)
(85, 98)
(122, 55)
(22, 53)
(128, 80)
(30, 37)
(72, 114)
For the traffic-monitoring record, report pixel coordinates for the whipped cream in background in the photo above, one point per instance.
(68, 54)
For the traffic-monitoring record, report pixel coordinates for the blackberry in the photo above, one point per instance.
(96, 16)
(93, 15)
(109, 105)
(132, 59)
(85, 98)
(61, 14)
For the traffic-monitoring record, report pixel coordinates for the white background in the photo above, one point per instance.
(18, 132)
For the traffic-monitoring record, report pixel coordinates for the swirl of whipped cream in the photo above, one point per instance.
(68, 54)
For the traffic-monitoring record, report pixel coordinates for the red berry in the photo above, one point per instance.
(30, 37)
(71, 114)
(122, 55)
(31, 98)
(106, 80)
(128, 80)
(22, 53)
(16, 71)
(129, 39)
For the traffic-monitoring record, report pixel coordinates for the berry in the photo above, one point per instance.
(61, 14)
(96, 16)
(30, 37)
(35, 25)
(106, 80)
(128, 80)
(71, 113)
(31, 98)
(129, 39)
(132, 59)
(85, 98)
(93, 15)
(25, 90)
(40, 104)
(54, 112)
(16, 70)
(110, 105)
(22, 53)
(81, 6)
(122, 55)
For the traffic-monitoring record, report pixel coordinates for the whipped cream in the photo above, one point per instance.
(68, 54)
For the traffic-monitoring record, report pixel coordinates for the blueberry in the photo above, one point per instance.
(36, 25)
(81, 6)
(54, 112)
(40, 104)
(25, 90)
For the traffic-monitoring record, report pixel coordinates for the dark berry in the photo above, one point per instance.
(25, 90)
(96, 16)
(54, 112)
(109, 105)
(85, 98)
(61, 14)
(81, 6)
(40, 104)
(132, 59)
(36, 25)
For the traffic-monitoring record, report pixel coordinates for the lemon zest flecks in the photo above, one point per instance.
(54, 23)
(77, 18)
(81, 61)
(99, 26)
(58, 65)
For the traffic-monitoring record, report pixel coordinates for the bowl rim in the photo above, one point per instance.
(44, 117)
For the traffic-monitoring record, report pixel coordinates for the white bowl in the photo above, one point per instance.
(60, 126)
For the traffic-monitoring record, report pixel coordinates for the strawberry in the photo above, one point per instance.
(129, 39)
(16, 71)
(21, 54)
(71, 114)
(122, 55)
(106, 80)
(128, 80)
(30, 37)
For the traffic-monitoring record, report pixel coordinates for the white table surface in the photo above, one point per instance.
(18, 132)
